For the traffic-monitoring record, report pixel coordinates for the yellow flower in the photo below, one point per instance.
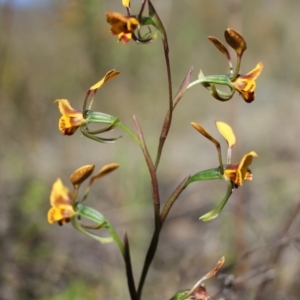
(236, 173)
(245, 84)
(71, 118)
(61, 202)
(123, 26)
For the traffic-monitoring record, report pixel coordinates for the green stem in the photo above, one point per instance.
(128, 131)
(116, 238)
(237, 67)
(172, 199)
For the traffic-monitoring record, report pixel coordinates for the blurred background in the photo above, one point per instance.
(53, 49)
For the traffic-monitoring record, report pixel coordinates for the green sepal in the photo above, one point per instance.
(210, 174)
(90, 213)
(208, 81)
(219, 95)
(93, 215)
(147, 21)
(91, 136)
(215, 79)
(98, 117)
(216, 211)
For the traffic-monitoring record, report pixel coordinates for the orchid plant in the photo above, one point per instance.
(66, 205)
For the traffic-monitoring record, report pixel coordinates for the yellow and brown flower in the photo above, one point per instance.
(236, 173)
(245, 84)
(71, 118)
(61, 201)
(123, 26)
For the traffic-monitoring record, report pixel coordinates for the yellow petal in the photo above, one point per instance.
(61, 214)
(60, 194)
(108, 76)
(255, 72)
(126, 3)
(226, 132)
(242, 170)
(66, 109)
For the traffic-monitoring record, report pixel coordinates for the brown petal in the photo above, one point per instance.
(104, 171)
(220, 46)
(81, 174)
(235, 40)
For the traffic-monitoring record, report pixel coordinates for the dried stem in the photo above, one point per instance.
(168, 118)
(129, 273)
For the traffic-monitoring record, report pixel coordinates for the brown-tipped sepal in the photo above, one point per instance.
(81, 174)
(235, 41)
(104, 171)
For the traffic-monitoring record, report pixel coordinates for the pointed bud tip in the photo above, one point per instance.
(235, 41)
(81, 174)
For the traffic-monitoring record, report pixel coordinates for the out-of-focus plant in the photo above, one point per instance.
(65, 206)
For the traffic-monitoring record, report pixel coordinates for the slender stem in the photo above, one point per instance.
(130, 279)
(168, 118)
(172, 199)
(152, 171)
(116, 238)
(127, 130)
(156, 204)
(155, 237)
(124, 249)
(237, 67)
(148, 261)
